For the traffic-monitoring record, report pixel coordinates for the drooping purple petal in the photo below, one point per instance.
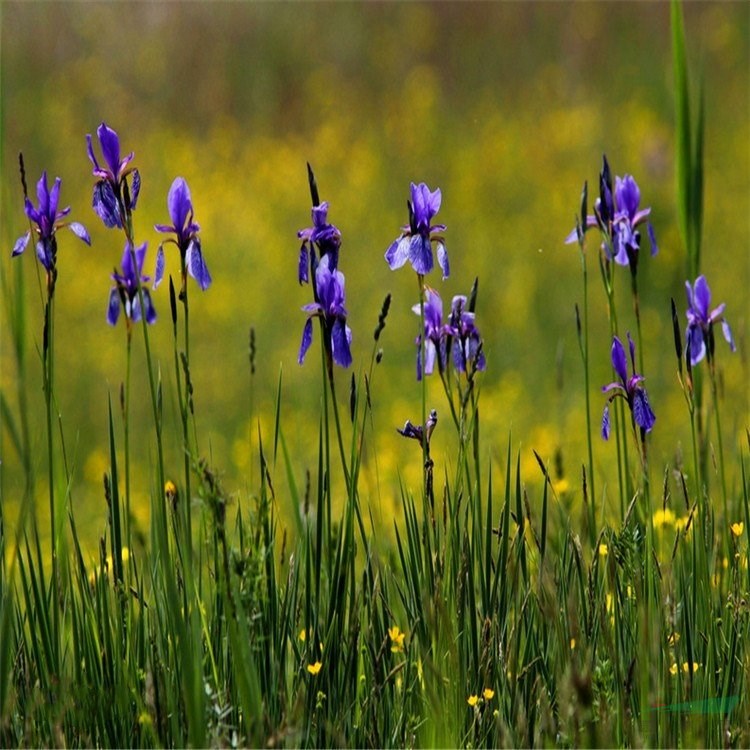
(304, 263)
(44, 252)
(727, 331)
(196, 265)
(21, 243)
(106, 205)
(150, 310)
(398, 253)
(135, 190)
(442, 256)
(605, 423)
(697, 344)
(80, 231)
(430, 355)
(340, 343)
(652, 238)
(113, 306)
(159, 269)
(420, 254)
(642, 413)
(307, 334)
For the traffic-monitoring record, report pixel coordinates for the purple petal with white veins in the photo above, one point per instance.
(31, 212)
(605, 423)
(442, 256)
(196, 265)
(697, 343)
(398, 253)
(113, 306)
(159, 269)
(627, 195)
(307, 333)
(150, 311)
(80, 231)
(303, 265)
(44, 254)
(21, 243)
(430, 354)
(642, 414)
(135, 189)
(717, 312)
(340, 339)
(106, 205)
(420, 254)
(727, 331)
(54, 200)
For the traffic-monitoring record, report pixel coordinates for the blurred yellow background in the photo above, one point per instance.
(507, 107)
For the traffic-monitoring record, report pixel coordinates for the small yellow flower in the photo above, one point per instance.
(488, 694)
(673, 638)
(313, 669)
(686, 667)
(609, 602)
(472, 700)
(170, 493)
(303, 635)
(663, 517)
(603, 550)
(572, 644)
(737, 529)
(397, 639)
(673, 669)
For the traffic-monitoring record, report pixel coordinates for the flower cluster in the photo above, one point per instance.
(416, 239)
(618, 214)
(459, 337)
(629, 388)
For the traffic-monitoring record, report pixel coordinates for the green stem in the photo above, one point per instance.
(586, 380)
(126, 430)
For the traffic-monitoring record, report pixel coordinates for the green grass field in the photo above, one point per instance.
(205, 543)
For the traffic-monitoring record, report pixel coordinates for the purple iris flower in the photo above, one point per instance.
(125, 290)
(629, 388)
(417, 432)
(699, 332)
(113, 198)
(326, 236)
(415, 242)
(186, 237)
(621, 216)
(436, 334)
(329, 307)
(467, 342)
(47, 220)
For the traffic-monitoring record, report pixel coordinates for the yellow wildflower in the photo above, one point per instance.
(397, 639)
(603, 550)
(673, 669)
(572, 644)
(737, 529)
(303, 635)
(673, 638)
(686, 666)
(472, 700)
(313, 669)
(488, 694)
(664, 517)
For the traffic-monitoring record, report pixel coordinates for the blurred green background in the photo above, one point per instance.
(507, 107)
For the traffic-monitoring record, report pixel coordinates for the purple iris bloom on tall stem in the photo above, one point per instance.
(699, 334)
(46, 220)
(467, 342)
(629, 388)
(325, 236)
(186, 238)
(416, 239)
(436, 335)
(329, 308)
(125, 290)
(618, 214)
(114, 199)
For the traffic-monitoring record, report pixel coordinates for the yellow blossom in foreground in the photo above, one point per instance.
(673, 638)
(663, 517)
(488, 694)
(686, 666)
(397, 639)
(314, 668)
(572, 644)
(737, 529)
(603, 550)
(673, 669)
(472, 700)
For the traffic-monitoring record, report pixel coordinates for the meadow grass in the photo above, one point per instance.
(490, 610)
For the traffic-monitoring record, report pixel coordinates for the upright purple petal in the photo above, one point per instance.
(619, 360)
(627, 195)
(110, 144)
(179, 203)
(442, 256)
(702, 295)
